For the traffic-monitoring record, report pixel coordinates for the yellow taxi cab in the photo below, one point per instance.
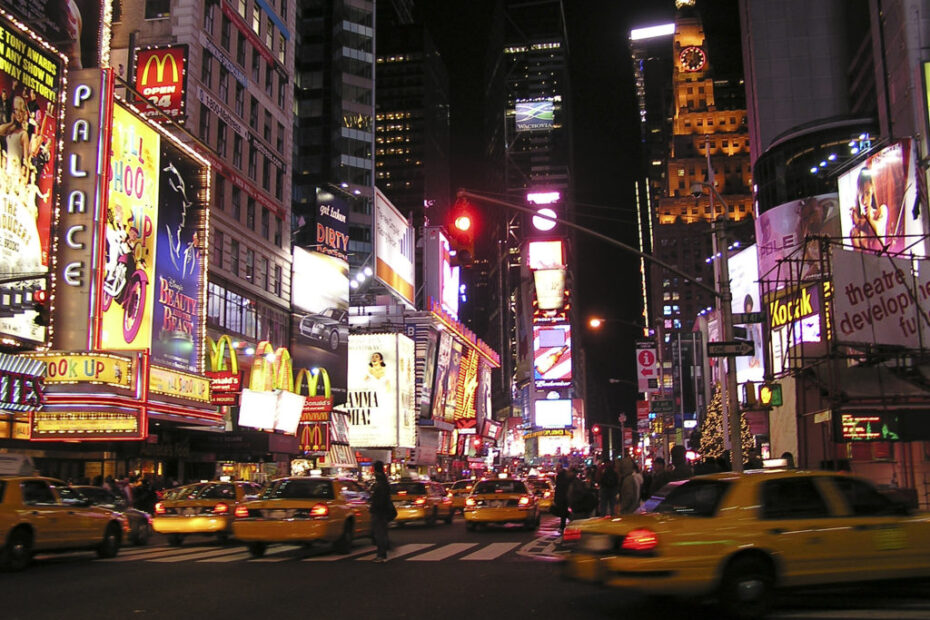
(458, 491)
(304, 510)
(204, 508)
(501, 500)
(44, 514)
(421, 501)
(737, 536)
(544, 491)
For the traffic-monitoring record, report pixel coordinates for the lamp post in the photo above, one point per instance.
(725, 306)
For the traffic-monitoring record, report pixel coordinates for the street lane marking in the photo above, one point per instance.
(154, 553)
(491, 552)
(399, 552)
(443, 552)
(273, 549)
(196, 556)
(333, 557)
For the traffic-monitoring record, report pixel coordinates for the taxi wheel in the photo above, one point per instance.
(18, 551)
(449, 517)
(109, 547)
(747, 587)
(343, 544)
(257, 549)
(175, 540)
(433, 517)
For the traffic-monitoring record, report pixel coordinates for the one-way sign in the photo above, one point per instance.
(726, 349)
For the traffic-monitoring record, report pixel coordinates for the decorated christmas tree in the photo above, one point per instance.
(712, 435)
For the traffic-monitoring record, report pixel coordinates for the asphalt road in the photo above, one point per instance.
(443, 572)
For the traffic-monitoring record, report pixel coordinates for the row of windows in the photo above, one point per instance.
(273, 39)
(258, 269)
(236, 314)
(275, 236)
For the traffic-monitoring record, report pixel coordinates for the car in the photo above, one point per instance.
(421, 501)
(45, 514)
(140, 522)
(544, 491)
(303, 509)
(204, 508)
(330, 327)
(501, 500)
(736, 536)
(459, 490)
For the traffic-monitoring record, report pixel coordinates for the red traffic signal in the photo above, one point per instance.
(596, 429)
(462, 226)
(477, 443)
(462, 223)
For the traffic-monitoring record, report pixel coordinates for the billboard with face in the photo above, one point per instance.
(781, 233)
(127, 294)
(30, 109)
(179, 265)
(744, 286)
(880, 209)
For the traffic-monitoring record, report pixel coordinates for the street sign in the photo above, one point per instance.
(726, 349)
(742, 318)
(661, 406)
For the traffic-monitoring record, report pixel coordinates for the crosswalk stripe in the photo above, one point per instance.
(272, 550)
(443, 552)
(196, 556)
(154, 553)
(332, 557)
(490, 552)
(400, 551)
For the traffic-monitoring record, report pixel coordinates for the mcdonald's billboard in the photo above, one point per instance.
(161, 77)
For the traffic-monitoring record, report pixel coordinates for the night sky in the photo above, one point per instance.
(606, 154)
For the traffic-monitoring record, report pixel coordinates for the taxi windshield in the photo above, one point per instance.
(220, 490)
(699, 498)
(499, 486)
(408, 488)
(186, 492)
(298, 489)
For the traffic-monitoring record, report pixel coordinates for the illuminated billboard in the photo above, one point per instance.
(30, 110)
(552, 355)
(440, 277)
(535, 115)
(467, 387)
(794, 317)
(550, 288)
(151, 294)
(443, 358)
(380, 404)
(781, 231)
(744, 286)
(880, 205)
(553, 413)
(332, 224)
(545, 255)
(394, 261)
(161, 77)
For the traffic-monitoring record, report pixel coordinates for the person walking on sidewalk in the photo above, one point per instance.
(382, 511)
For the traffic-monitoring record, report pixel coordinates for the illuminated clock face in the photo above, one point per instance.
(692, 58)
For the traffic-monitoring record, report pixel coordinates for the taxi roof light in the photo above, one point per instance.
(640, 540)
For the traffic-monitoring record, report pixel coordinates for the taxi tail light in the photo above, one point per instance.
(160, 508)
(241, 512)
(319, 510)
(470, 501)
(640, 540)
(221, 509)
(419, 501)
(570, 534)
(524, 501)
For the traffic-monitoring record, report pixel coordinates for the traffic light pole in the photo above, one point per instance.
(720, 292)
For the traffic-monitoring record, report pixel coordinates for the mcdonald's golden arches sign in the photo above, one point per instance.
(161, 77)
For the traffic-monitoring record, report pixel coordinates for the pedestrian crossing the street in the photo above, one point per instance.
(412, 552)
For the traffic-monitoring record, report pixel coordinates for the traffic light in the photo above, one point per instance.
(596, 429)
(40, 305)
(462, 225)
(770, 395)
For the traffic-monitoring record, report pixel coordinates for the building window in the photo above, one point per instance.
(266, 174)
(221, 128)
(282, 89)
(256, 20)
(237, 204)
(240, 50)
(266, 130)
(269, 81)
(262, 272)
(209, 13)
(282, 48)
(278, 225)
(218, 249)
(253, 114)
(243, 8)
(279, 183)
(266, 222)
(253, 163)
(206, 69)
(277, 280)
(205, 123)
(249, 264)
(256, 66)
(280, 140)
(240, 100)
(220, 192)
(157, 9)
(269, 33)
(237, 151)
(225, 32)
(234, 257)
(250, 214)
(224, 84)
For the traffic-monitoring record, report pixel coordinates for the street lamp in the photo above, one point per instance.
(596, 322)
(725, 307)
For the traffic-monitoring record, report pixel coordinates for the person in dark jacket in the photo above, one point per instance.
(560, 499)
(382, 511)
